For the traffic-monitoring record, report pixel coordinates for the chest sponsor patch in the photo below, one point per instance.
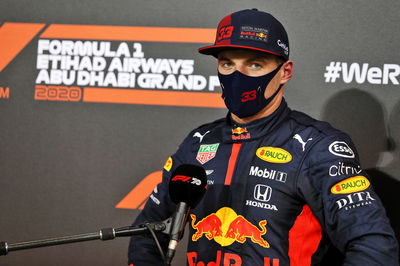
(240, 133)
(341, 168)
(168, 164)
(351, 185)
(355, 200)
(268, 174)
(226, 227)
(206, 152)
(273, 155)
(340, 148)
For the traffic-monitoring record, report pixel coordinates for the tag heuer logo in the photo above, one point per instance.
(206, 152)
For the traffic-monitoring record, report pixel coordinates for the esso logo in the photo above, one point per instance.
(340, 148)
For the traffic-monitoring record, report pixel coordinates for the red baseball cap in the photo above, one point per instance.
(250, 29)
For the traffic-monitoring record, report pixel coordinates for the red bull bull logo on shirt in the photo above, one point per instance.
(226, 227)
(240, 133)
(239, 130)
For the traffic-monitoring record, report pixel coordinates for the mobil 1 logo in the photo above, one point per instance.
(268, 174)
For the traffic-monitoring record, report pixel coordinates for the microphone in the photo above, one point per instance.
(187, 186)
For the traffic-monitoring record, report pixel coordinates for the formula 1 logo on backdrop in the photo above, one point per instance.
(108, 64)
(14, 38)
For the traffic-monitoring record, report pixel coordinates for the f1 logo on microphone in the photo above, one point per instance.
(184, 178)
(262, 192)
(196, 181)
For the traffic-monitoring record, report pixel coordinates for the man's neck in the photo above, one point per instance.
(268, 110)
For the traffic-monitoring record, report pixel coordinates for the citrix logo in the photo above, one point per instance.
(342, 169)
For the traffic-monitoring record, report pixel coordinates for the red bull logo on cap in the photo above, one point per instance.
(253, 33)
(226, 227)
(261, 35)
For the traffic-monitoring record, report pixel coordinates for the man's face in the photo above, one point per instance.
(248, 62)
(251, 63)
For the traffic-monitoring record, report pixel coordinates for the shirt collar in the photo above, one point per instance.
(236, 132)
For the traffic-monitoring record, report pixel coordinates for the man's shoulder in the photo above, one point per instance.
(325, 138)
(205, 131)
(314, 126)
(211, 125)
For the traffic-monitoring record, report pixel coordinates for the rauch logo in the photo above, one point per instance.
(351, 185)
(273, 155)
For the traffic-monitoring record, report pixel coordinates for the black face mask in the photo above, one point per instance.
(244, 95)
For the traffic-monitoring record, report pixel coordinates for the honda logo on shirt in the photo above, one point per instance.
(262, 192)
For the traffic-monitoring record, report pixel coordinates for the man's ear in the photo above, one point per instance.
(286, 71)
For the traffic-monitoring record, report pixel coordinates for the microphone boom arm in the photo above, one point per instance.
(103, 234)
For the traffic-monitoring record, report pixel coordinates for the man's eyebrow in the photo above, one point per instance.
(257, 58)
(223, 58)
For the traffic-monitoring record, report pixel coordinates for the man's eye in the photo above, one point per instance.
(226, 65)
(255, 65)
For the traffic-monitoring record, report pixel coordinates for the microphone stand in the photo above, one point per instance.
(103, 234)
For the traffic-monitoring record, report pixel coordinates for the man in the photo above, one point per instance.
(281, 185)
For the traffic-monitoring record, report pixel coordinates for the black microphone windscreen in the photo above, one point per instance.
(188, 184)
